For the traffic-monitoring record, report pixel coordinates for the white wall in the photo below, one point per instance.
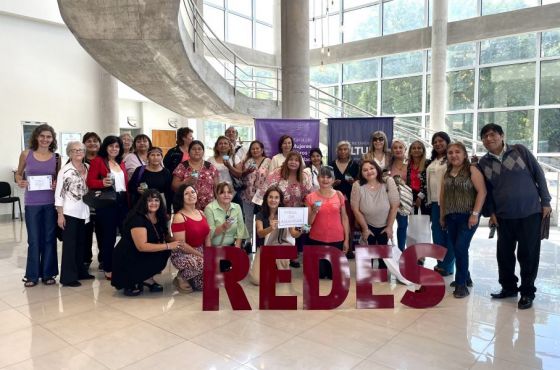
(45, 75)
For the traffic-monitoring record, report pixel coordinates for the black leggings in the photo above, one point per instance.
(325, 268)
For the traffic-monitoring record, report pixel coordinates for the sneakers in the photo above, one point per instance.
(461, 291)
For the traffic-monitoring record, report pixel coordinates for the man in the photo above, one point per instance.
(518, 200)
(239, 150)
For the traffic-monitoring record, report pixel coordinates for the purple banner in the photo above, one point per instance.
(357, 131)
(304, 131)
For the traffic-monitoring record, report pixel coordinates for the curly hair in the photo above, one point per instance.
(34, 142)
(111, 139)
(141, 208)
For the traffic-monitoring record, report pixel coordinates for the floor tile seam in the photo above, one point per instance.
(304, 330)
(150, 355)
(339, 349)
(59, 318)
(48, 299)
(274, 348)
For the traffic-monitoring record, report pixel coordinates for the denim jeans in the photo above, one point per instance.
(460, 236)
(440, 237)
(402, 226)
(40, 222)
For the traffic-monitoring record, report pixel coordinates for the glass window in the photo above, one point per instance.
(508, 48)
(551, 43)
(215, 19)
(362, 95)
(264, 10)
(402, 64)
(241, 6)
(240, 31)
(360, 70)
(401, 95)
(460, 124)
(428, 85)
(460, 90)
(517, 125)
(212, 130)
(546, 2)
(507, 86)
(403, 15)
(327, 105)
(461, 9)
(264, 38)
(325, 75)
(549, 130)
(361, 24)
(499, 6)
(219, 3)
(550, 83)
(324, 33)
(353, 3)
(317, 11)
(245, 133)
(461, 55)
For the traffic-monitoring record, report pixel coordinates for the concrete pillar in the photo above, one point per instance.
(108, 104)
(438, 92)
(295, 58)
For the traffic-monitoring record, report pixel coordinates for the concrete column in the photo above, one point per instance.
(295, 58)
(108, 104)
(438, 91)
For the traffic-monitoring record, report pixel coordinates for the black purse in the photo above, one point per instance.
(100, 198)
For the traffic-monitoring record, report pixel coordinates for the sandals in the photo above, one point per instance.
(28, 283)
(49, 281)
(133, 292)
(182, 286)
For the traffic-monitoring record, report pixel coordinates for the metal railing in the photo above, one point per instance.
(263, 82)
(253, 80)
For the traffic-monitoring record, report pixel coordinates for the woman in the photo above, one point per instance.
(312, 171)
(223, 160)
(152, 176)
(180, 153)
(225, 218)
(92, 141)
(345, 168)
(434, 179)
(375, 203)
(139, 155)
(254, 170)
(378, 150)
(107, 170)
(294, 183)
(189, 226)
(268, 233)
(398, 171)
(36, 173)
(328, 219)
(127, 142)
(461, 198)
(197, 172)
(285, 145)
(416, 175)
(73, 214)
(144, 248)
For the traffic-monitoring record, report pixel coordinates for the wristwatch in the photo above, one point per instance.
(475, 213)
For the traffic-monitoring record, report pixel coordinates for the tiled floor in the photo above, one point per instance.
(95, 327)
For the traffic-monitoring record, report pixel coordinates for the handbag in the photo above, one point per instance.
(406, 198)
(419, 230)
(99, 199)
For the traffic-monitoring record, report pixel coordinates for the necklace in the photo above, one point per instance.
(374, 186)
(155, 229)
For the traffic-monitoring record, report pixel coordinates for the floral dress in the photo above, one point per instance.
(256, 179)
(294, 193)
(204, 184)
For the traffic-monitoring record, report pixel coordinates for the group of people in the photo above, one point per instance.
(219, 201)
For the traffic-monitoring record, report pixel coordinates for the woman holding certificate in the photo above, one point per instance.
(107, 173)
(36, 173)
(328, 219)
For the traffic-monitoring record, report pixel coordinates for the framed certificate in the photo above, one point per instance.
(292, 217)
(39, 182)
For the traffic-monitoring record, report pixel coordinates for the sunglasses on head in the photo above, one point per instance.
(380, 139)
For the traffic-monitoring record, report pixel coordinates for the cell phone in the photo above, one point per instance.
(492, 231)
(230, 220)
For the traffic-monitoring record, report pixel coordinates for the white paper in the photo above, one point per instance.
(39, 182)
(292, 217)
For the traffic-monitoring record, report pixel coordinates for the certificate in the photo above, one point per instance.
(39, 182)
(292, 217)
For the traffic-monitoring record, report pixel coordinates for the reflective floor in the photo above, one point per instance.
(95, 327)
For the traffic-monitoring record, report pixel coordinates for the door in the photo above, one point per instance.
(165, 139)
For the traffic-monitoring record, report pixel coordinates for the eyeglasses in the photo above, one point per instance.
(77, 150)
(378, 139)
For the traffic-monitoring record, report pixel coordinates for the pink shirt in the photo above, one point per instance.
(327, 226)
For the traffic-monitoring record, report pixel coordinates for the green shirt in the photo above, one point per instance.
(216, 216)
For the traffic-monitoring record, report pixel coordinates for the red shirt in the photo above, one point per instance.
(98, 171)
(415, 182)
(327, 226)
(195, 231)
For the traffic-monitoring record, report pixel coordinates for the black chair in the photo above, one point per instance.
(6, 197)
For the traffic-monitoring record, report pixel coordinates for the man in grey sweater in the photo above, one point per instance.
(518, 200)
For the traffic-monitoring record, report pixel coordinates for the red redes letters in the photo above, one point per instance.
(431, 292)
